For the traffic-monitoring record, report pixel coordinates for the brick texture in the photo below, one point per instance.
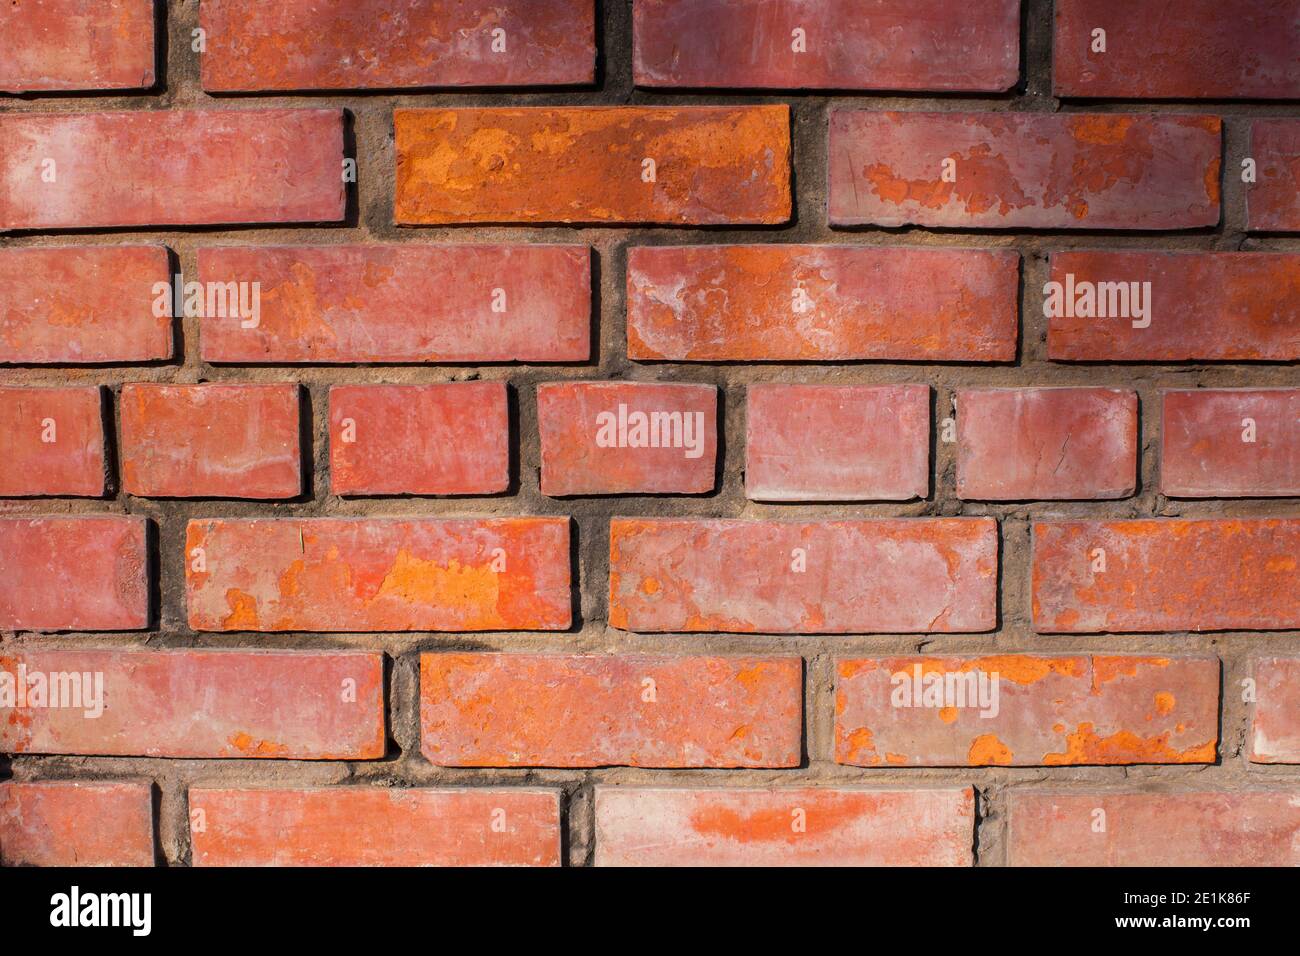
(54, 441)
(326, 332)
(638, 826)
(367, 826)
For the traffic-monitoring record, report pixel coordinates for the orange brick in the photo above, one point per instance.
(171, 168)
(1096, 828)
(1046, 443)
(606, 438)
(837, 442)
(67, 45)
(449, 439)
(1273, 200)
(53, 440)
(1275, 711)
(587, 164)
(404, 303)
(915, 575)
(292, 705)
(821, 303)
(559, 710)
(82, 573)
(367, 44)
(80, 305)
(211, 441)
(76, 823)
(1025, 711)
(371, 826)
(1165, 574)
(643, 826)
(385, 574)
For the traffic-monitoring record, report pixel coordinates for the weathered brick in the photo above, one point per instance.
(211, 441)
(914, 575)
(644, 826)
(844, 44)
(82, 304)
(171, 167)
(1273, 200)
(1217, 306)
(837, 442)
(587, 164)
(405, 303)
(1166, 574)
(560, 710)
(1247, 828)
(603, 438)
(1200, 49)
(370, 44)
(1230, 442)
(53, 440)
(372, 826)
(828, 303)
(1046, 443)
(382, 574)
(1275, 711)
(67, 45)
(446, 439)
(1024, 170)
(293, 705)
(73, 573)
(1025, 711)
(76, 823)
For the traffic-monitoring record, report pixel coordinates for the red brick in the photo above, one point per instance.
(1198, 49)
(1024, 170)
(53, 440)
(370, 44)
(848, 44)
(725, 303)
(1273, 200)
(1030, 712)
(837, 442)
(76, 823)
(448, 439)
(584, 453)
(172, 167)
(560, 710)
(586, 164)
(211, 441)
(79, 573)
(293, 705)
(1250, 828)
(404, 303)
(644, 826)
(1215, 306)
(1204, 450)
(385, 574)
(1166, 574)
(1275, 712)
(914, 575)
(372, 826)
(72, 305)
(66, 45)
(1047, 443)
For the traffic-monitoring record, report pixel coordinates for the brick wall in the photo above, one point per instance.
(394, 567)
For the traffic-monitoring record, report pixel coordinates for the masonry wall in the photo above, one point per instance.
(511, 644)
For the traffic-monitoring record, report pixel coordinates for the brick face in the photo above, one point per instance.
(987, 342)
